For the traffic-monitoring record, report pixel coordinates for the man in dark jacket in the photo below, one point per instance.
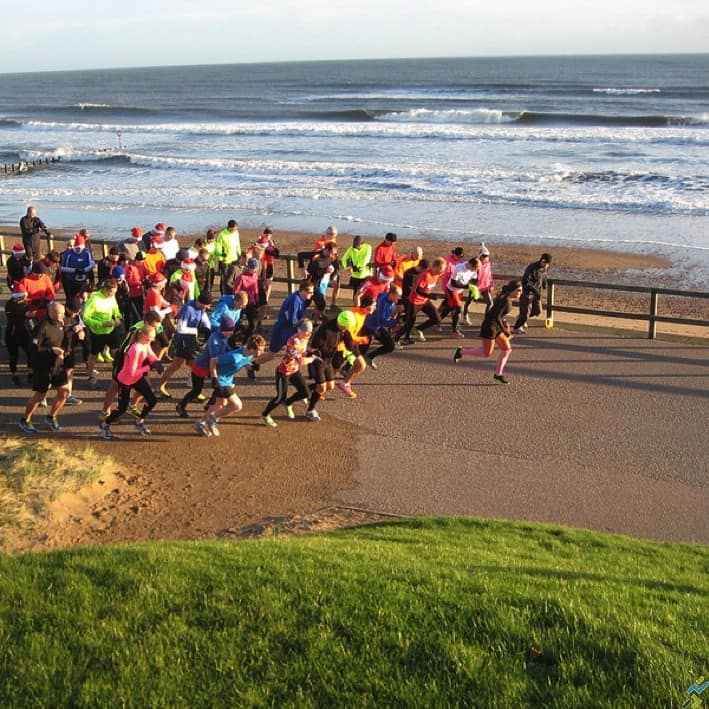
(534, 280)
(31, 226)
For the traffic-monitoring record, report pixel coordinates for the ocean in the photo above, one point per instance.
(610, 152)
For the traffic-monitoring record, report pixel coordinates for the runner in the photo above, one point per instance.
(288, 371)
(495, 329)
(138, 361)
(223, 369)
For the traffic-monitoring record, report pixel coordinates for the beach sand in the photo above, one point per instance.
(253, 481)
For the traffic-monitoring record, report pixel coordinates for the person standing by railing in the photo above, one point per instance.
(31, 226)
(534, 280)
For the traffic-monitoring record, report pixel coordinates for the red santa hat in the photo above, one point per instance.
(136, 232)
(79, 240)
(188, 264)
(157, 241)
(157, 278)
(18, 249)
(160, 228)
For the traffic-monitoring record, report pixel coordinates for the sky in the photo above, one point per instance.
(36, 35)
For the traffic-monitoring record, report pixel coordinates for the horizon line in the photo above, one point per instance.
(363, 60)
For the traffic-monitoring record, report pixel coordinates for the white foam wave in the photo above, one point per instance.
(626, 92)
(88, 106)
(481, 125)
(425, 115)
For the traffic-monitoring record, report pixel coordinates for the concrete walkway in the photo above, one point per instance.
(603, 432)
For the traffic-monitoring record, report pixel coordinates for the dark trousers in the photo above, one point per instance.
(529, 307)
(195, 391)
(301, 391)
(142, 386)
(387, 343)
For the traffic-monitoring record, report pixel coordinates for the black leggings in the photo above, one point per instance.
(195, 391)
(301, 391)
(142, 386)
(412, 311)
(387, 344)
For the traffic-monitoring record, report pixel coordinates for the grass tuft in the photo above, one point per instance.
(34, 474)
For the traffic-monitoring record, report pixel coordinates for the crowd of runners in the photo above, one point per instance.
(152, 308)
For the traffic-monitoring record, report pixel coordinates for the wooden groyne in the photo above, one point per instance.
(27, 165)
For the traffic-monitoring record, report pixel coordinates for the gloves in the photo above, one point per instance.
(157, 366)
(474, 291)
(215, 383)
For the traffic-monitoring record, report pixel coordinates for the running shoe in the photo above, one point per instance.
(164, 392)
(290, 413)
(73, 401)
(99, 358)
(53, 423)
(346, 389)
(467, 319)
(135, 410)
(27, 426)
(212, 425)
(181, 411)
(406, 341)
(201, 428)
(44, 403)
(107, 357)
(268, 421)
(372, 362)
(201, 397)
(141, 428)
(419, 335)
(313, 416)
(398, 345)
(458, 354)
(519, 331)
(105, 430)
(93, 383)
(499, 379)
(457, 333)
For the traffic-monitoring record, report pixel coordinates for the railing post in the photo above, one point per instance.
(550, 304)
(290, 268)
(652, 329)
(2, 248)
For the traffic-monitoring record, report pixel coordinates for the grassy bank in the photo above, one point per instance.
(412, 613)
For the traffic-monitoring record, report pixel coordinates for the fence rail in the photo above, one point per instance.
(652, 316)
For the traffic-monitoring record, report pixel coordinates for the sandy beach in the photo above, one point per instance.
(306, 477)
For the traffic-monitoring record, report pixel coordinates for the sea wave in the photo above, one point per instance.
(590, 119)
(626, 92)
(448, 116)
(531, 127)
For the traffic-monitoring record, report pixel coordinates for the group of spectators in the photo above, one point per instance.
(152, 305)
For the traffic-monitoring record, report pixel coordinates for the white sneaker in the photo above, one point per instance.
(467, 320)
(313, 416)
(519, 331)
(418, 334)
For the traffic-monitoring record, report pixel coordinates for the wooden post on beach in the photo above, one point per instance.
(550, 301)
(652, 329)
(2, 249)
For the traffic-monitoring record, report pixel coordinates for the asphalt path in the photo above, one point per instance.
(595, 430)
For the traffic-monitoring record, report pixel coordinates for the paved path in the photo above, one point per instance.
(602, 432)
(595, 431)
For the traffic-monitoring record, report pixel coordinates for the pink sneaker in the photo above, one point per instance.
(346, 389)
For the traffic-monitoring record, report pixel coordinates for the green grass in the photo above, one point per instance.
(415, 613)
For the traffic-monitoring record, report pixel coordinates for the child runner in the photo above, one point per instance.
(223, 370)
(289, 371)
(139, 359)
